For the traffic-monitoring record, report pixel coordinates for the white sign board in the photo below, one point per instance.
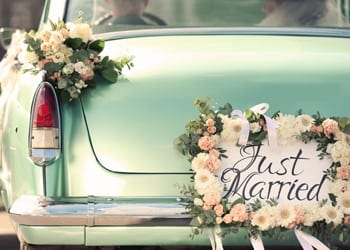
(290, 173)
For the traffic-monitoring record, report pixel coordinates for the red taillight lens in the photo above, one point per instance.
(45, 127)
(45, 110)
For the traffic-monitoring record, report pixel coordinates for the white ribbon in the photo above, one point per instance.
(257, 243)
(308, 242)
(215, 238)
(271, 132)
(243, 139)
(270, 123)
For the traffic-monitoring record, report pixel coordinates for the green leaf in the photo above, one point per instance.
(110, 74)
(65, 96)
(74, 43)
(97, 45)
(52, 67)
(79, 55)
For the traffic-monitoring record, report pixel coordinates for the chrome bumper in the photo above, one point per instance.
(98, 211)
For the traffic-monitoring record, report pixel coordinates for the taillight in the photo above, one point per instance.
(45, 126)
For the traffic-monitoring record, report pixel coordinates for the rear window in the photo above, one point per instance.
(113, 15)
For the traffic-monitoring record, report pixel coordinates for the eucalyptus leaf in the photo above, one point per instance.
(52, 67)
(97, 45)
(74, 43)
(110, 75)
(79, 55)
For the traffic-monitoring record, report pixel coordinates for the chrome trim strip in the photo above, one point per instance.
(273, 31)
(37, 211)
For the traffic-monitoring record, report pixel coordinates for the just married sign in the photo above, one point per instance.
(292, 173)
(268, 175)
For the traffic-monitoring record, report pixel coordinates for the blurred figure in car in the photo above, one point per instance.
(128, 11)
(297, 13)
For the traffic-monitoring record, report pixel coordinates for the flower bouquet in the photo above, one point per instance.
(70, 58)
(209, 201)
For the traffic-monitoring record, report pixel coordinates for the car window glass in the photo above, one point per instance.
(218, 13)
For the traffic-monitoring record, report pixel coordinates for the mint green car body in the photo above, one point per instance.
(117, 145)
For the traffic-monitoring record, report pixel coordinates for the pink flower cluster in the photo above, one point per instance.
(238, 213)
(206, 143)
(343, 172)
(299, 217)
(329, 127)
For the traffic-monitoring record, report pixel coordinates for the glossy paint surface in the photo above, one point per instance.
(118, 141)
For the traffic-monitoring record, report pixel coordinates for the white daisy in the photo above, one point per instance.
(304, 122)
(202, 180)
(312, 213)
(262, 219)
(343, 201)
(199, 161)
(287, 129)
(285, 214)
(231, 129)
(332, 214)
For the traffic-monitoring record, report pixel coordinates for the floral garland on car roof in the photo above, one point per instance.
(70, 58)
(206, 205)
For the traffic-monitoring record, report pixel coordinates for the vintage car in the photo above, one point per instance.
(94, 161)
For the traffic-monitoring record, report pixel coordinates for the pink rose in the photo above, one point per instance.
(210, 123)
(227, 219)
(219, 210)
(239, 213)
(212, 164)
(347, 220)
(330, 127)
(206, 143)
(316, 129)
(343, 172)
(211, 130)
(211, 198)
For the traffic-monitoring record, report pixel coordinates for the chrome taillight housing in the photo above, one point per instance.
(45, 126)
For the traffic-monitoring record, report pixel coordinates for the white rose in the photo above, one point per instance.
(28, 57)
(58, 57)
(287, 129)
(68, 69)
(339, 186)
(198, 202)
(81, 68)
(81, 84)
(62, 84)
(255, 127)
(340, 152)
(80, 30)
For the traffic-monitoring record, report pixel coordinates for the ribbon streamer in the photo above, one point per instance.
(308, 242)
(270, 123)
(271, 132)
(215, 238)
(257, 243)
(243, 139)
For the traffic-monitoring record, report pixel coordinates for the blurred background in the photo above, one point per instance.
(21, 14)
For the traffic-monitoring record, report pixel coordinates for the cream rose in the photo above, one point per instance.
(80, 30)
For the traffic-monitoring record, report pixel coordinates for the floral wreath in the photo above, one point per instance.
(70, 58)
(327, 220)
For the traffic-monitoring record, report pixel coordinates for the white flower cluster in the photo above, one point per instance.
(288, 216)
(290, 127)
(53, 49)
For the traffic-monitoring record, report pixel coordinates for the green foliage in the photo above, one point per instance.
(72, 62)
